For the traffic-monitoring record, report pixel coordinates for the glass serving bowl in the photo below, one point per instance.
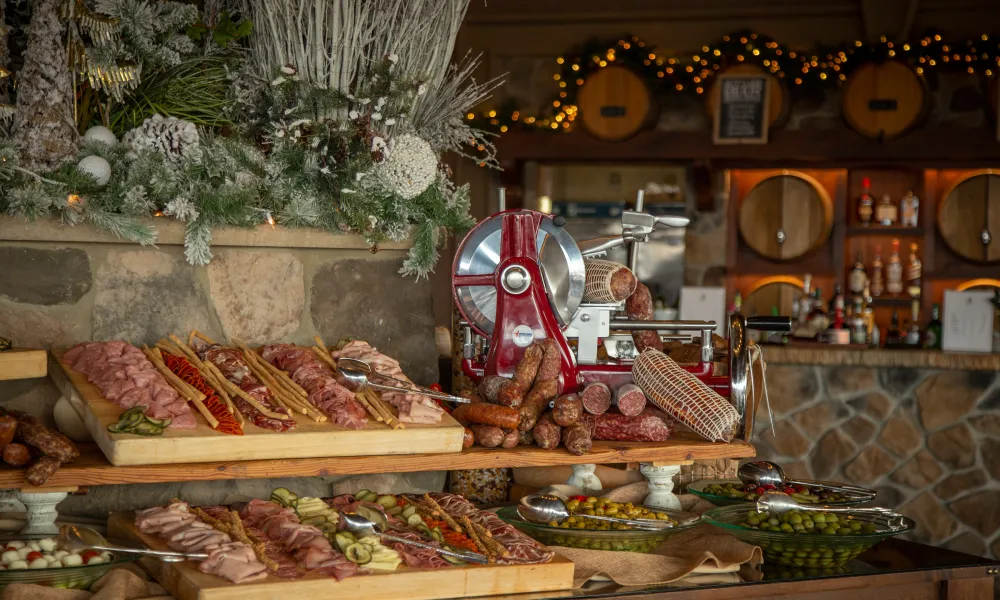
(698, 489)
(806, 549)
(80, 578)
(628, 540)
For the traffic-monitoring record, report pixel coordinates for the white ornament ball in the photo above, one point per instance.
(99, 133)
(96, 167)
(410, 167)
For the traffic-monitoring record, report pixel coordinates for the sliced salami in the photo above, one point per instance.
(630, 400)
(596, 398)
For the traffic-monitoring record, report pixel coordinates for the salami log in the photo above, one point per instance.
(511, 437)
(536, 401)
(50, 443)
(487, 435)
(16, 455)
(578, 437)
(551, 365)
(43, 468)
(546, 433)
(8, 425)
(491, 414)
(639, 306)
(527, 369)
(567, 410)
(630, 400)
(468, 438)
(500, 390)
(644, 427)
(596, 398)
(525, 437)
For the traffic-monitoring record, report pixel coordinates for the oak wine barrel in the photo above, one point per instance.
(615, 104)
(779, 104)
(883, 100)
(969, 215)
(786, 216)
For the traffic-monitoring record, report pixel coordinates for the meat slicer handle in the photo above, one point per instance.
(769, 323)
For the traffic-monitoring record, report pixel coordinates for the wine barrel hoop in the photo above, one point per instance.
(970, 207)
(615, 104)
(884, 100)
(786, 216)
(779, 104)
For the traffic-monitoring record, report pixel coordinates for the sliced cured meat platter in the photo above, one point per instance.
(202, 443)
(186, 582)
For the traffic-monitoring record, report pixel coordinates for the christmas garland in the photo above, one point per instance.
(665, 72)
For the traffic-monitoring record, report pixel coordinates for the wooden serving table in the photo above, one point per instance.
(893, 570)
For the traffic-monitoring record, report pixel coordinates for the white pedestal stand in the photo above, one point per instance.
(661, 485)
(41, 510)
(583, 477)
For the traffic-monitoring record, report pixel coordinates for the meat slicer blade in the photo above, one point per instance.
(560, 261)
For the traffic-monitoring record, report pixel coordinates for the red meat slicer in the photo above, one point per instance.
(519, 277)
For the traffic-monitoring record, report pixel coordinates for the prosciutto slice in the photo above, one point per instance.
(231, 365)
(319, 381)
(413, 408)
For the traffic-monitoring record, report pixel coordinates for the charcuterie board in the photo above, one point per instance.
(186, 582)
(202, 444)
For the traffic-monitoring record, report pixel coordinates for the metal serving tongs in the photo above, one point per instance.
(75, 537)
(359, 373)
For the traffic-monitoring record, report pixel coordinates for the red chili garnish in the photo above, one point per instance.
(190, 374)
(435, 386)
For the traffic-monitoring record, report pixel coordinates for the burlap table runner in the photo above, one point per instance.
(704, 550)
(124, 583)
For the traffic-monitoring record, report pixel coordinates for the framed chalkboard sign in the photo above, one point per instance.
(741, 117)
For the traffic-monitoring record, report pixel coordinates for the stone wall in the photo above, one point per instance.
(927, 440)
(262, 286)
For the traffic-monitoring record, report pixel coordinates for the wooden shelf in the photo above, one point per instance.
(92, 468)
(893, 301)
(22, 363)
(879, 230)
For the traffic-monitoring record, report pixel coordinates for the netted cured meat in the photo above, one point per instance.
(319, 381)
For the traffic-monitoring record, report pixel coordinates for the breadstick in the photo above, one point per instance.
(444, 516)
(471, 532)
(182, 350)
(371, 409)
(376, 401)
(282, 376)
(250, 399)
(325, 358)
(182, 387)
(290, 398)
(197, 334)
(495, 547)
(283, 381)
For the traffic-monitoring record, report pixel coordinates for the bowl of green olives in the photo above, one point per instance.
(807, 539)
(726, 492)
(578, 531)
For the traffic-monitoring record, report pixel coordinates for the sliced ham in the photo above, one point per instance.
(127, 378)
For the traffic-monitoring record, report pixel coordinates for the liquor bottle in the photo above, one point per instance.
(913, 270)
(837, 309)
(893, 335)
(805, 302)
(932, 335)
(866, 204)
(909, 209)
(996, 320)
(886, 213)
(878, 279)
(894, 273)
(837, 299)
(859, 329)
(913, 333)
(818, 319)
(868, 314)
(857, 277)
(796, 315)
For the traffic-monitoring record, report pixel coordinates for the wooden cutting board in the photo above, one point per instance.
(186, 582)
(308, 440)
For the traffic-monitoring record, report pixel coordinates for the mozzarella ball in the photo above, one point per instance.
(96, 560)
(106, 556)
(72, 560)
(55, 563)
(59, 554)
(34, 545)
(18, 564)
(39, 563)
(9, 557)
(47, 545)
(16, 544)
(24, 552)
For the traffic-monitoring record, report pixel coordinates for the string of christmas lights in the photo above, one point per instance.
(666, 72)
